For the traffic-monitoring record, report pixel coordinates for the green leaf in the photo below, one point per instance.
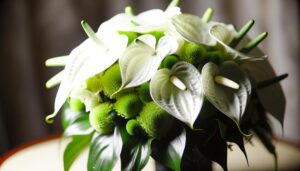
(229, 101)
(271, 97)
(192, 29)
(136, 150)
(135, 155)
(79, 126)
(178, 91)
(74, 148)
(104, 151)
(170, 153)
(230, 131)
(68, 116)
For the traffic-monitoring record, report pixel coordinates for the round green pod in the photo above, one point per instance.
(93, 84)
(111, 80)
(169, 61)
(144, 93)
(128, 105)
(101, 119)
(193, 53)
(76, 105)
(133, 127)
(154, 120)
(216, 57)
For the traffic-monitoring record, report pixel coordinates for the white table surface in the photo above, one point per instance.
(47, 156)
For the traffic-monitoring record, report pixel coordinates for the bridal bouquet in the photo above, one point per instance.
(165, 84)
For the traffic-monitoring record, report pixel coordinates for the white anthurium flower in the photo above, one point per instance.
(191, 28)
(224, 34)
(93, 56)
(153, 20)
(89, 98)
(178, 91)
(142, 58)
(227, 88)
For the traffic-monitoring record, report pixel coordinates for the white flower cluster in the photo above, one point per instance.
(178, 90)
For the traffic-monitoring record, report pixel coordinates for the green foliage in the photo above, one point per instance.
(128, 105)
(170, 151)
(104, 151)
(154, 120)
(74, 149)
(101, 118)
(130, 35)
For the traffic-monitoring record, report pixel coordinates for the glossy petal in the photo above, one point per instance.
(192, 29)
(224, 34)
(229, 101)
(185, 104)
(140, 60)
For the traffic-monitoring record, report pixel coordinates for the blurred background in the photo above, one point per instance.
(34, 30)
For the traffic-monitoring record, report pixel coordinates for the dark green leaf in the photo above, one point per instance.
(74, 148)
(136, 150)
(135, 155)
(104, 151)
(229, 131)
(266, 138)
(79, 126)
(68, 116)
(170, 153)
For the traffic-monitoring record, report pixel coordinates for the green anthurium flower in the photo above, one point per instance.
(141, 59)
(178, 91)
(93, 56)
(228, 88)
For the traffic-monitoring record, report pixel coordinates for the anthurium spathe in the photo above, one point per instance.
(93, 56)
(178, 91)
(142, 58)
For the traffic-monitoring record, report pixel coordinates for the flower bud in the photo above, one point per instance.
(193, 53)
(76, 105)
(144, 93)
(169, 61)
(128, 105)
(133, 127)
(93, 84)
(101, 119)
(155, 121)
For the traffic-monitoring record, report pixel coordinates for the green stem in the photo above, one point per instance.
(129, 11)
(271, 81)
(253, 43)
(207, 15)
(174, 3)
(241, 34)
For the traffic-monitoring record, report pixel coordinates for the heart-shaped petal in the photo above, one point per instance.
(224, 34)
(178, 91)
(192, 29)
(231, 102)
